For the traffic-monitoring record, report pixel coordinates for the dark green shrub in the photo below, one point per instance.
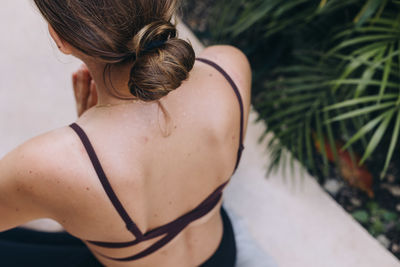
(325, 73)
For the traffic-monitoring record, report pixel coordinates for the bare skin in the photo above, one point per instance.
(160, 166)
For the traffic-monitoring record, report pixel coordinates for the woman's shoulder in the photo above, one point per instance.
(45, 150)
(227, 55)
(32, 174)
(45, 160)
(235, 63)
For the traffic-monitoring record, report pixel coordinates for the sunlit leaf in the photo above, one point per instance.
(365, 129)
(369, 73)
(322, 4)
(377, 137)
(360, 100)
(361, 111)
(370, 7)
(386, 73)
(393, 143)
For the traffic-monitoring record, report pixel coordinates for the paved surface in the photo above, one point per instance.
(297, 223)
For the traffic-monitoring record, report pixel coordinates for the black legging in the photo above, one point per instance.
(26, 248)
(20, 247)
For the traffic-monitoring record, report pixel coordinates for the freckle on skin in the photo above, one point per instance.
(17, 210)
(30, 172)
(210, 75)
(170, 202)
(87, 189)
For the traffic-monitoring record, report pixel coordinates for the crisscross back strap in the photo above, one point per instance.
(178, 226)
(209, 203)
(239, 97)
(130, 225)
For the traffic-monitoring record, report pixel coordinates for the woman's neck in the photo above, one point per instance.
(112, 85)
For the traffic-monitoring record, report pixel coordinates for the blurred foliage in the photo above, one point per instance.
(324, 71)
(376, 218)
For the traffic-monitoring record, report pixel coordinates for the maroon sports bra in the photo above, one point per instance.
(169, 230)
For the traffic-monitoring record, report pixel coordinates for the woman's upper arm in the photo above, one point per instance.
(19, 187)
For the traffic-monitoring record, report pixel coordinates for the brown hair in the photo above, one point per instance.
(121, 31)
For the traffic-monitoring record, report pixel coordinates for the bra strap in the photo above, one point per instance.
(170, 235)
(239, 97)
(130, 225)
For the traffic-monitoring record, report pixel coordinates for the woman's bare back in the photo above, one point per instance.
(160, 164)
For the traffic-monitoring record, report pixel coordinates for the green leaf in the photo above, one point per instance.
(380, 11)
(362, 39)
(296, 80)
(296, 69)
(309, 142)
(363, 82)
(300, 150)
(358, 123)
(291, 162)
(285, 134)
(284, 166)
(291, 99)
(367, 11)
(389, 216)
(389, 22)
(373, 208)
(345, 132)
(360, 100)
(322, 4)
(393, 143)
(361, 216)
(386, 72)
(365, 129)
(291, 110)
(321, 141)
(381, 29)
(369, 73)
(307, 88)
(376, 228)
(297, 119)
(258, 13)
(287, 6)
(362, 111)
(377, 137)
(369, 47)
(355, 63)
(331, 138)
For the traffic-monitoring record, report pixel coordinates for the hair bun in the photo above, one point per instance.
(155, 32)
(162, 61)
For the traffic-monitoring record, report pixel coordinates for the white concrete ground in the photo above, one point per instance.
(297, 223)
